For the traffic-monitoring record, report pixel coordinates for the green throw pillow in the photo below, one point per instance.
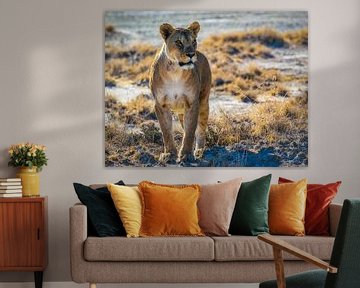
(250, 216)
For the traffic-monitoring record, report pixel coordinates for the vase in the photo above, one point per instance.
(30, 181)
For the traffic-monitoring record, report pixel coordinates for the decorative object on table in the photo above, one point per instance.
(255, 64)
(30, 158)
(10, 187)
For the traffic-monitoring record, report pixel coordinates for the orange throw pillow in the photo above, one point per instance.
(169, 210)
(318, 200)
(287, 204)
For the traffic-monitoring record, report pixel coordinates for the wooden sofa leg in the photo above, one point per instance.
(92, 285)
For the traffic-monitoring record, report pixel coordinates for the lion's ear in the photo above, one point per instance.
(166, 29)
(194, 27)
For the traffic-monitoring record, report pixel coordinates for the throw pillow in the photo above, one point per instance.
(169, 210)
(318, 200)
(127, 201)
(101, 211)
(250, 215)
(287, 208)
(216, 206)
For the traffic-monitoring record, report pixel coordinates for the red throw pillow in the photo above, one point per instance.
(319, 197)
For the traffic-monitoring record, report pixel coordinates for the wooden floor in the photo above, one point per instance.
(74, 285)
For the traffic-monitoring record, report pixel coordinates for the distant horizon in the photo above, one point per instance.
(210, 22)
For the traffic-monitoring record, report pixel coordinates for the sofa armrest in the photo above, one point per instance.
(279, 246)
(334, 216)
(78, 235)
(284, 246)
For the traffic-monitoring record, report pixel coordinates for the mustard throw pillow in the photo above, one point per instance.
(287, 204)
(127, 201)
(169, 210)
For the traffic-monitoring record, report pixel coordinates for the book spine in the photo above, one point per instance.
(10, 191)
(10, 180)
(10, 183)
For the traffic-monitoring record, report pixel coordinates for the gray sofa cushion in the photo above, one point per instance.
(249, 248)
(149, 249)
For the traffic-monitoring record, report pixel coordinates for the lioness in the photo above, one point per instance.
(180, 80)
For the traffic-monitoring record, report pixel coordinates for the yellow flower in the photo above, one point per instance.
(29, 154)
(11, 151)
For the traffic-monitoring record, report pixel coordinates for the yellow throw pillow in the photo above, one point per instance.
(169, 210)
(127, 201)
(287, 204)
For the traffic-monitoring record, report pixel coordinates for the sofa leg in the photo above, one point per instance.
(92, 285)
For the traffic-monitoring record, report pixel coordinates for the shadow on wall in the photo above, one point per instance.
(55, 76)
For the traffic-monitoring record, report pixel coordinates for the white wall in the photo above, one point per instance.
(51, 89)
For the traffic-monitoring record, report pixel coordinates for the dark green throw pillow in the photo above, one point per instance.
(250, 216)
(103, 219)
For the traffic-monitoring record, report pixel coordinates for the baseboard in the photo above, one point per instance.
(74, 285)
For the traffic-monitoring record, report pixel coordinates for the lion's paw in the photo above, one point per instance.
(167, 158)
(186, 158)
(199, 153)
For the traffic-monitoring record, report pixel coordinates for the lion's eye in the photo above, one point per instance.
(178, 43)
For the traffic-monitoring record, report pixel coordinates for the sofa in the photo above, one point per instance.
(233, 259)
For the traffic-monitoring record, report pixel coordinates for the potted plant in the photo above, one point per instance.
(30, 158)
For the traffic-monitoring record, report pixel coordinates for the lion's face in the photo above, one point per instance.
(181, 44)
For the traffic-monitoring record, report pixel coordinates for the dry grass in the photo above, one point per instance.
(274, 120)
(268, 122)
(263, 36)
(246, 82)
(110, 29)
(226, 53)
(131, 131)
(280, 90)
(133, 134)
(129, 64)
(297, 37)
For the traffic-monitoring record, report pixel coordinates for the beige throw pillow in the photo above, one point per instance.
(216, 206)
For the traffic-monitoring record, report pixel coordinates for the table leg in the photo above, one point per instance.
(38, 279)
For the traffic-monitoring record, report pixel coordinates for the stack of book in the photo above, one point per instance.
(10, 187)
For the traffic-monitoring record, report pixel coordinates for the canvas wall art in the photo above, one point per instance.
(206, 88)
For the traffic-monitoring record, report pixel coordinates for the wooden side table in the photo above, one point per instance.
(23, 235)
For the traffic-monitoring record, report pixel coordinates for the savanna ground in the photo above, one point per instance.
(258, 102)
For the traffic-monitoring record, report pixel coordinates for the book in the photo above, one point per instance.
(10, 180)
(10, 191)
(10, 183)
(10, 195)
(10, 187)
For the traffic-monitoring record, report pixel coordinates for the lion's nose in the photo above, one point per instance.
(190, 54)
